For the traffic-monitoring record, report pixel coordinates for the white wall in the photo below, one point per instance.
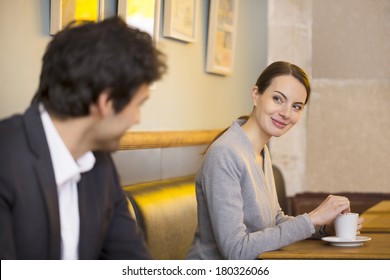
(187, 98)
(349, 116)
(289, 39)
(342, 143)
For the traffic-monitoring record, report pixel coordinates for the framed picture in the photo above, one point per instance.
(180, 19)
(142, 14)
(222, 36)
(63, 12)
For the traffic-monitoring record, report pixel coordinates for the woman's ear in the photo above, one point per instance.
(255, 95)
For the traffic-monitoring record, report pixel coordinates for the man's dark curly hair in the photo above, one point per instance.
(87, 58)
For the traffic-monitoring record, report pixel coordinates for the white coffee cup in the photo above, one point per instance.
(345, 225)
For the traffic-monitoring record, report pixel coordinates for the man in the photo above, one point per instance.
(60, 196)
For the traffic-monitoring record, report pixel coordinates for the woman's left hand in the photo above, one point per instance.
(360, 224)
(330, 231)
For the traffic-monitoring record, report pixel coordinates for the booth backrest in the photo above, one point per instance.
(167, 213)
(280, 189)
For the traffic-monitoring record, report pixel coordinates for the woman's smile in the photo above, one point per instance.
(279, 124)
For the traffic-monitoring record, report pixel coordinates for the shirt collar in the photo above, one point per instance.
(65, 167)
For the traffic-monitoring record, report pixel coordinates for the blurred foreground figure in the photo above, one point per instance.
(60, 196)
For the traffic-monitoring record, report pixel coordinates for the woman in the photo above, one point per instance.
(239, 216)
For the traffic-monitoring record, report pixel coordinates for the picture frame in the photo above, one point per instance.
(142, 14)
(181, 19)
(221, 39)
(63, 12)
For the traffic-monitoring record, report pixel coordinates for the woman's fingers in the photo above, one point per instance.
(327, 211)
(360, 224)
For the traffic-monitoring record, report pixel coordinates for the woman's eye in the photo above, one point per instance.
(277, 99)
(298, 107)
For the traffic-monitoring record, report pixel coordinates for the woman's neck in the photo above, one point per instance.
(256, 137)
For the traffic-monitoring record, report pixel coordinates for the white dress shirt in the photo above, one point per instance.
(67, 172)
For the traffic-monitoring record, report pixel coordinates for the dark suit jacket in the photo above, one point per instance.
(29, 212)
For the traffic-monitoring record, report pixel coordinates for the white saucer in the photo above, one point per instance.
(342, 242)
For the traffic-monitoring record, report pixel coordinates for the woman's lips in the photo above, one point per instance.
(279, 124)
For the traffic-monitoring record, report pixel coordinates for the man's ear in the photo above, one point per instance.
(103, 105)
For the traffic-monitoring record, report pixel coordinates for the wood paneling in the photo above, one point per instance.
(165, 139)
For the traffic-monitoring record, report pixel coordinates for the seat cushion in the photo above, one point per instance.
(167, 212)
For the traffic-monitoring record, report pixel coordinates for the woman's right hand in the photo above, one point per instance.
(327, 211)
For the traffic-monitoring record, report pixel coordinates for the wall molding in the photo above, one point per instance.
(137, 140)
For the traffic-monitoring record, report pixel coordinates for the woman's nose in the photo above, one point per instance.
(285, 112)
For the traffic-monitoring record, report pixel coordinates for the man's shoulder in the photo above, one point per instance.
(10, 128)
(11, 122)
(18, 122)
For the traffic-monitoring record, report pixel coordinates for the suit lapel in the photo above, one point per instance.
(45, 174)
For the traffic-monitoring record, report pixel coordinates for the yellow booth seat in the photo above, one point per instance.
(167, 213)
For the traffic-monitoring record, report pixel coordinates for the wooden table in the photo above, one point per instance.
(377, 218)
(381, 207)
(377, 248)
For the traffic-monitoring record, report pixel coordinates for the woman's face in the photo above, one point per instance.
(280, 107)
